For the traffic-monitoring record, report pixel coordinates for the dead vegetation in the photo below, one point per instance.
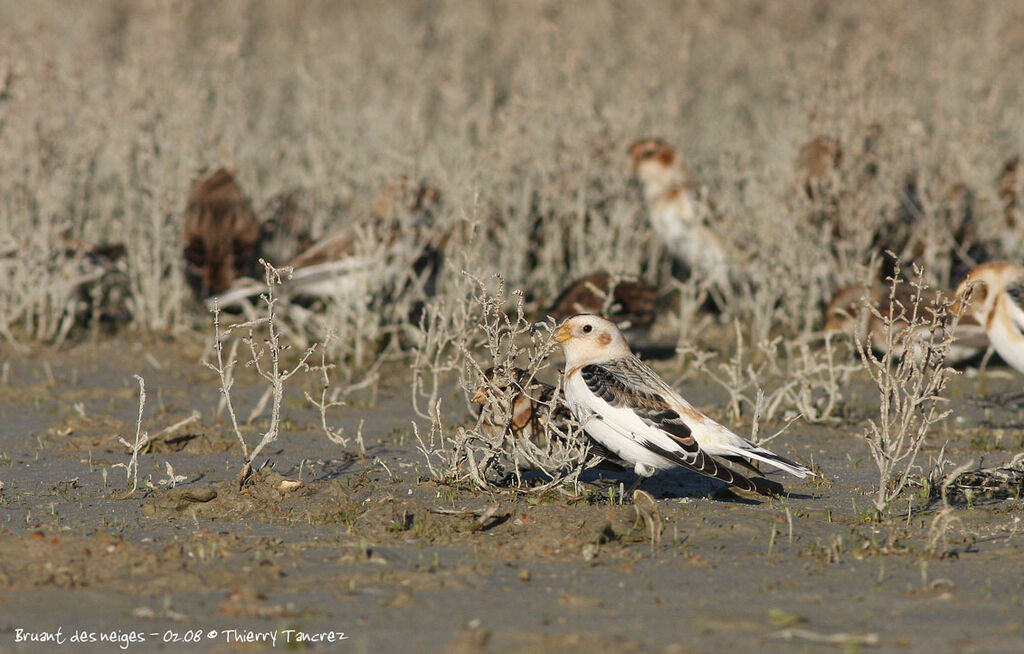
(911, 375)
(817, 146)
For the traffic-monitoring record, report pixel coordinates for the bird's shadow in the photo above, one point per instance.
(679, 484)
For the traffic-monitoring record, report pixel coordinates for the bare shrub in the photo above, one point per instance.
(781, 376)
(743, 375)
(497, 356)
(131, 468)
(909, 386)
(265, 357)
(818, 378)
(325, 403)
(440, 343)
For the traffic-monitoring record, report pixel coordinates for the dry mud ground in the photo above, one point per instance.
(359, 548)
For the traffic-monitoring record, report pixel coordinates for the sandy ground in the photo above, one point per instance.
(360, 550)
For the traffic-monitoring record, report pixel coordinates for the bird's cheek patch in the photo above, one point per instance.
(604, 339)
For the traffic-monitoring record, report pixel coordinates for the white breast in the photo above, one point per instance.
(1005, 335)
(616, 428)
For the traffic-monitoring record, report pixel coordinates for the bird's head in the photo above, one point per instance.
(977, 294)
(656, 165)
(651, 150)
(497, 381)
(590, 339)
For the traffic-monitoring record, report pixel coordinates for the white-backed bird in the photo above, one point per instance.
(994, 293)
(680, 216)
(361, 257)
(853, 311)
(628, 408)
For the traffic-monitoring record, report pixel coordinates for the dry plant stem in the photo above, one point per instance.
(945, 519)
(275, 376)
(225, 371)
(909, 388)
(739, 376)
(818, 380)
(333, 435)
(447, 322)
(141, 438)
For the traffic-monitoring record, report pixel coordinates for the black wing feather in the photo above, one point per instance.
(651, 407)
(705, 465)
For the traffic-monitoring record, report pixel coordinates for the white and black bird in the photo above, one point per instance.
(628, 408)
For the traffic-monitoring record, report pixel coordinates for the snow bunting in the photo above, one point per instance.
(630, 303)
(993, 293)
(221, 235)
(853, 312)
(817, 166)
(516, 404)
(628, 408)
(362, 256)
(679, 215)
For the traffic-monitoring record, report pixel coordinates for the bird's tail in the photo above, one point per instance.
(771, 458)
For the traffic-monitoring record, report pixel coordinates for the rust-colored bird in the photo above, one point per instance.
(817, 164)
(221, 235)
(516, 405)
(628, 302)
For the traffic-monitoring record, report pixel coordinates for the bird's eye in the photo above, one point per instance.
(587, 329)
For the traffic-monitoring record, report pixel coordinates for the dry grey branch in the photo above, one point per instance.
(910, 376)
(141, 439)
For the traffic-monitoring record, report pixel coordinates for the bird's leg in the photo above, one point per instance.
(984, 359)
(632, 487)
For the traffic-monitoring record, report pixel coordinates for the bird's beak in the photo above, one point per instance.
(563, 334)
(962, 303)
